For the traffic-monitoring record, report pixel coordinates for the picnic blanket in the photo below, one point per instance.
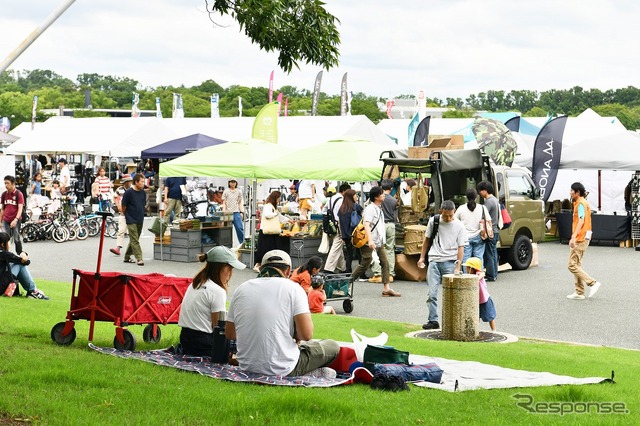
(457, 376)
(471, 375)
(202, 365)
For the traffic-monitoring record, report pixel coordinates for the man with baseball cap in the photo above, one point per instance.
(270, 319)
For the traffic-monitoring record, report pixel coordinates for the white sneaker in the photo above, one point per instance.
(594, 289)
(575, 296)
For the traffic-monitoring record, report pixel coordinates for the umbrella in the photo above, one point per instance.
(349, 158)
(178, 147)
(495, 139)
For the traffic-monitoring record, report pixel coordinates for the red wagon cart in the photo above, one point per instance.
(124, 299)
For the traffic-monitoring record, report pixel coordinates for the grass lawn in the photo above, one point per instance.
(43, 383)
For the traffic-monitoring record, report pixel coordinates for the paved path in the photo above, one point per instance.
(529, 303)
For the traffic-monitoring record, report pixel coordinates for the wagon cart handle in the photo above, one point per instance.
(104, 215)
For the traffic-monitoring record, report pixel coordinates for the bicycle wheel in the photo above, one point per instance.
(83, 232)
(29, 232)
(60, 234)
(94, 227)
(112, 228)
(73, 233)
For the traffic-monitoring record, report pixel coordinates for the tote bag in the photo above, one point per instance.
(271, 226)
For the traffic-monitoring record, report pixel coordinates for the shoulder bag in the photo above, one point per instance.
(486, 227)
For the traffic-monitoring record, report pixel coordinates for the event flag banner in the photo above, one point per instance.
(239, 106)
(316, 94)
(390, 104)
(5, 124)
(344, 96)
(547, 151)
(286, 107)
(135, 100)
(265, 126)
(513, 123)
(279, 103)
(34, 111)
(420, 137)
(215, 101)
(422, 103)
(158, 110)
(413, 125)
(271, 87)
(178, 109)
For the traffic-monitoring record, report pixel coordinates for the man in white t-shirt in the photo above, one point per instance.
(65, 176)
(269, 318)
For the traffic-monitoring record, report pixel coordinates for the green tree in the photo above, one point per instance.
(455, 113)
(535, 112)
(300, 30)
(626, 115)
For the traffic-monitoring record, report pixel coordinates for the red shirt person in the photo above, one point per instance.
(12, 204)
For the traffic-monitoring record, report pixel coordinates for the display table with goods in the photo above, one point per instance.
(300, 240)
(607, 228)
(192, 237)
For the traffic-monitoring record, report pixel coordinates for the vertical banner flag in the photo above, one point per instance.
(34, 111)
(215, 101)
(316, 94)
(158, 110)
(420, 138)
(286, 107)
(5, 124)
(546, 155)
(239, 106)
(390, 104)
(271, 87)
(422, 103)
(413, 126)
(178, 110)
(513, 123)
(343, 95)
(279, 103)
(135, 100)
(265, 126)
(349, 103)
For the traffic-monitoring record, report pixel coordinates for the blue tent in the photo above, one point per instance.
(181, 146)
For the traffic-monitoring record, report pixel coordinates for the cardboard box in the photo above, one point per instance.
(407, 268)
(436, 143)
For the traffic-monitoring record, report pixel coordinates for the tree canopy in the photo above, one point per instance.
(300, 30)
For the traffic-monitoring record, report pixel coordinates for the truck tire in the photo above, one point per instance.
(520, 253)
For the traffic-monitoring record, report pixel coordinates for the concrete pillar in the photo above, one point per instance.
(460, 307)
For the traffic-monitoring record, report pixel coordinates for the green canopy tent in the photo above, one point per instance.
(349, 159)
(239, 159)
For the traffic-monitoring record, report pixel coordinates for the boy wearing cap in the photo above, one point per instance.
(122, 221)
(270, 319)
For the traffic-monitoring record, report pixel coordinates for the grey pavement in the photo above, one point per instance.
(529, 303)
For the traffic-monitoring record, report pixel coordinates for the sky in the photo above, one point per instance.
(448, 48)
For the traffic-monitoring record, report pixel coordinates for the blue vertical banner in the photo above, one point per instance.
(34, 111)
(413, 126)
(135, 100)
(158, 110)
(547, 151)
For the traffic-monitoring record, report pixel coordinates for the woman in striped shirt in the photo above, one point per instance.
(104, 189)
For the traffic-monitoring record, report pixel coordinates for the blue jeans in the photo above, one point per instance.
(14, 233)
(474, 249)
(491, 257)
(435, 272)
(238, 225)
(25, 279)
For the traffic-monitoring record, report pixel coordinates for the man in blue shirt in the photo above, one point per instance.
(173, 188)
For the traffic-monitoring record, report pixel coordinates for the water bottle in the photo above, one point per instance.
(220, 353)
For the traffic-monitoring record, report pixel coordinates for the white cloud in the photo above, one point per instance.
(449, 48)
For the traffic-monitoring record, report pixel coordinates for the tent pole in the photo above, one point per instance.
(599, 189)
(254, 209)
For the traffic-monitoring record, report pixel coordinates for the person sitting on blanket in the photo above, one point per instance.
(205, 301)
(270, 320)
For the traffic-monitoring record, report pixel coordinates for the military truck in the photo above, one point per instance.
(452, 172)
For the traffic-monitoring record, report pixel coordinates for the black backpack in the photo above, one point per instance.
(329, 223)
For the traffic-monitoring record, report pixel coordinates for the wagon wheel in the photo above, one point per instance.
(347, 305)
(56, 335)
(147, 334)
(129, 341)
